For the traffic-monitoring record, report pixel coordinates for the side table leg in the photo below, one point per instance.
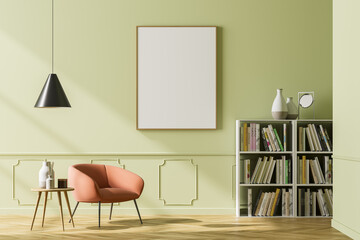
(61, 211)
(37, 205)
(68, 205)
(45, 201)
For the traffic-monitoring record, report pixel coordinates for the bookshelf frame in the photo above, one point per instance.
(294, 153)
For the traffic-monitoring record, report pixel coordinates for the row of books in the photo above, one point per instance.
(273, 140)
(267, 203)
(316, 137)
(310, 171)
(315, 203)
(264, 171)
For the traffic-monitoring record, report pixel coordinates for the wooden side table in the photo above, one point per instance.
(46, 191)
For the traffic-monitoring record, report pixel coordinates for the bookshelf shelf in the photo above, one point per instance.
(295, 189)
(309, 152)
(265, 152)
(265, 185)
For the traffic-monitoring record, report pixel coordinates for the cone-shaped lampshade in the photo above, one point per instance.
(52, 95)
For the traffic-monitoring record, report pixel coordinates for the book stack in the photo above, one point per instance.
(314, 138)
(310, 171)
(267, 203)
(315, 203)
(273, 139)
(265, 169)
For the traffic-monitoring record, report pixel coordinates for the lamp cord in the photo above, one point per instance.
(52, 37)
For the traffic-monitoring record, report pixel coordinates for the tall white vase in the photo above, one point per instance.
(43, 174)
(279, 109)
(292, 109)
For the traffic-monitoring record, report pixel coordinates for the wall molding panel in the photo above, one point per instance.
(180, 188)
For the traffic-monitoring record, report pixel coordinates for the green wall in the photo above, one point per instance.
(346, 133)
(262, 45)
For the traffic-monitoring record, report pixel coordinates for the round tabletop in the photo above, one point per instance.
(52, 189)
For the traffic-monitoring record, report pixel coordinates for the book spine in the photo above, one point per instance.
(319, 169)
(290, 171)
(328, 138)
(271, 172)
(324, 137)
(266, 143)
(257, 137)
(284, 135)
(313, 204)
(312, 168)
(320, 204)
(307, 171)
(291, 205)
(308, 134)
(249, 202)
(299, 202)
(278, 139)
(287, 204)
(247, 171)
(283, 202)
(268, 135)
(268, 213)
(261, 173)
(245, 137)
(300, 145)
(303, 181)
(257, 203)
(263, 203)
(314, 137)
(304, 139)
(273, 137)
(276, 202)
(286, 170)
(242, 138)
(268, 169)
(256, 170)
(326, 170)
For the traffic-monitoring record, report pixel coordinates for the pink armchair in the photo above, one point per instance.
(95, 183)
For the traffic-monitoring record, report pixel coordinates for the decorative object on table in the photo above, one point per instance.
(292, 109)
(43, 174)
(306, 100)
(51, 177)
(279, 109)
(62, 183)
(52, 94)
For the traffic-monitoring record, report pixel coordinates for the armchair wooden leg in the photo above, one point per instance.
(137, 209)
(99, 212)
(77, 204)
(111, 210)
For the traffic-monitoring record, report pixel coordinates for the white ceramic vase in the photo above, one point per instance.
(292, 109)
(279, 109)
(43, 174)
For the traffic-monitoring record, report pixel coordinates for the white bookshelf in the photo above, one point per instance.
(292, 154)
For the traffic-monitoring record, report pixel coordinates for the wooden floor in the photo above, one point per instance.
(169, 227)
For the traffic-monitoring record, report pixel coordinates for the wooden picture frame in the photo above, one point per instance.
(176, 77)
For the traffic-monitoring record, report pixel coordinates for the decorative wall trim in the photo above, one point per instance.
(195, 183)
(14, 197)
(346, 158)
(116, 154)
(117, 160)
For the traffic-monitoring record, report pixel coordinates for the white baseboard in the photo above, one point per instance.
(345, 230)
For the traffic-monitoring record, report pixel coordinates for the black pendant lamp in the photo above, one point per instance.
(52, 94)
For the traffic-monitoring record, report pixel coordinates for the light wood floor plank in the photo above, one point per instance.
(169, 227)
